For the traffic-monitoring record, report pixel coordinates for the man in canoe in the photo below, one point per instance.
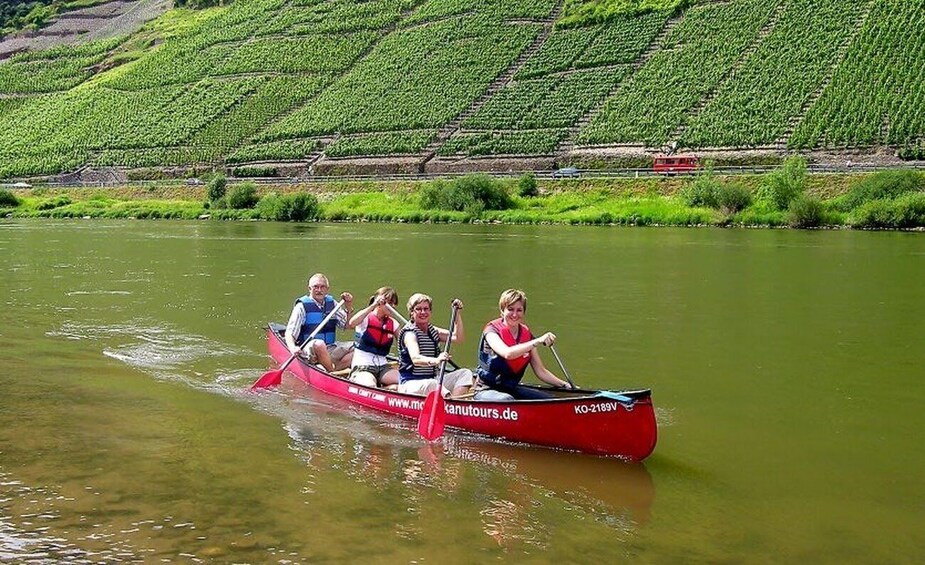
(419, 354)
(506, 348)
(307, 313)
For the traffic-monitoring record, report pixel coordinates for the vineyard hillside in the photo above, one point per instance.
(329, 86)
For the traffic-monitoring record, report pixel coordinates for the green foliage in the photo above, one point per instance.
(215, 189)
(733, 197)
(470, 193)
(583, 12)
(882, 185)
(199, 4)
(242, 196)
(703, 190)
(526, 186)
(53, 202)
(243, 172)
(694, 58)
(530, 142)
(386, 143)
(772, 85)
(906, 211)
(708, 192)
(8, 199)
(804, 212)
(297, 207)
(273, 79)
(912, 151)
(876, 94)
(781, 186)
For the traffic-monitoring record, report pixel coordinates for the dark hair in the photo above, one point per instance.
(388, 292)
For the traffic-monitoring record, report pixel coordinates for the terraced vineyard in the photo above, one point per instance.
(449, 80)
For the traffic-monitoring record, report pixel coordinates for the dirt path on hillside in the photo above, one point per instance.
(112, 19)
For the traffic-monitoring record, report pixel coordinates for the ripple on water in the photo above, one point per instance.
(157, 349)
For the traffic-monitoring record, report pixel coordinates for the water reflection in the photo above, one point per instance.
(513, 492)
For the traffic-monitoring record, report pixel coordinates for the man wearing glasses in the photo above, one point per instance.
(309, 311)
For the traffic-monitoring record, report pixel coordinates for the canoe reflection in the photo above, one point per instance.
(503, 483)
(578, 479)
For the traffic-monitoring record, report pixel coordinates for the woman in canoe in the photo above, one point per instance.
(419, 353)
(506, 348)
(375, 332)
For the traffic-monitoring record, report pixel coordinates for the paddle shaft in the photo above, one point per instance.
(435, 399)
(564, 370)
(449, 342)
(395, 313)
(312, 335)
(402, 319)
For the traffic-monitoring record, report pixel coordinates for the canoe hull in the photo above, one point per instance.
(579, 422)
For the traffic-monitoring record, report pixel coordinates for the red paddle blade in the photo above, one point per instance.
(433, 415)
(269, 379)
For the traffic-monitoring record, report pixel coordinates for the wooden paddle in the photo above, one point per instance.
(564, 371)
(433, 414)
(273, 378)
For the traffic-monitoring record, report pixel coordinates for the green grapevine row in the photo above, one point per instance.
(698, 52)
(755, 105)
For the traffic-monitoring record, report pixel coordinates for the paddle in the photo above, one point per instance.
(273, 378)
(433, 414)
(395, 313)
(564, 371)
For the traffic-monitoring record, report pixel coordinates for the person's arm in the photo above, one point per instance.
(543, 373)
(411, 344)
(343, 315)
(294, 326)
(459, 332)
(360, 315)
(514, 351)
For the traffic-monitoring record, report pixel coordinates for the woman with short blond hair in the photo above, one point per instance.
(506, 348)
(419, 352)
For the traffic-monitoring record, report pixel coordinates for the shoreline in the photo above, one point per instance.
(638, 202)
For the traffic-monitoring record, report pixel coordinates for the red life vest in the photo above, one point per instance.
(377, 338)
(494, 368)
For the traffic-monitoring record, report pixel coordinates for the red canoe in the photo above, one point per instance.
(612, 423)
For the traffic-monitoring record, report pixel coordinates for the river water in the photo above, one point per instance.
(786, 368)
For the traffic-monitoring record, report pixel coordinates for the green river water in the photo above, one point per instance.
(786, 369)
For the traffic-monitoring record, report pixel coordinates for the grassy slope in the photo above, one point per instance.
(283, 79)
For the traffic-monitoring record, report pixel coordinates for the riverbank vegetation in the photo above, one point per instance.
(893, 199)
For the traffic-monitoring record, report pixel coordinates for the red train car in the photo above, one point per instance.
(674, 164)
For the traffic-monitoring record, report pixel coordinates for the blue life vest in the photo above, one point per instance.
(496, 371)
(314, 316)
(428, 345)
(378, 337)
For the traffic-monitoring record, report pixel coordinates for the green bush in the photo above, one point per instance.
(805, 212)
(783, 185)
(732, 198)
(882, 185)
(54, 202)
(288, 208)
(906, 211)
(8, 199)
(215, 189)
(470, 193)
(243, 196)
(703, 191)
(244, 172)
(526, 186)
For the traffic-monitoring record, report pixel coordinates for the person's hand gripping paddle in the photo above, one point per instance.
(273, 378)
(433, 414)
